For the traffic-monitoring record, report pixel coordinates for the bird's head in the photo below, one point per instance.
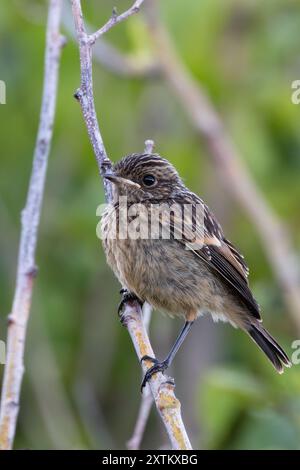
(142, 177)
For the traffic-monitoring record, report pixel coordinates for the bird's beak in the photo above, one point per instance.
(111, 176)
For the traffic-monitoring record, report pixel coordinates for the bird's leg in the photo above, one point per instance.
(127, 297)
(162, 366)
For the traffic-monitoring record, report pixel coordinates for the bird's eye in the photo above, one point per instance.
(149, 180)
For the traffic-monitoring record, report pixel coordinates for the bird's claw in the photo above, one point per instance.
(157, 367)
(149, 358)
(126, 297)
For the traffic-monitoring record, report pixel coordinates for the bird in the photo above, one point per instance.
(191, 271)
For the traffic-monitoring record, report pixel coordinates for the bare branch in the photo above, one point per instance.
(163, 392)
(134, 442)
(125, 65)
(149, 146)
(115, 19)
(162, 388)
(85, 96)
(26, 270)
(274, 235)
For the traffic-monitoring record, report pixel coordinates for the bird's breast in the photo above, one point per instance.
(162, 272)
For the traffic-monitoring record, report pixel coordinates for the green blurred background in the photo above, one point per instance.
(81, 385)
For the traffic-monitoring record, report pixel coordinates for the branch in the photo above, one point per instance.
(26, 270)
(115, 19)
(149, 146)
(134, 442)
(125, 65)
(162, 391)
(227, 160)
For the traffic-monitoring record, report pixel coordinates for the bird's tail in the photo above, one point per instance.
(269, 346)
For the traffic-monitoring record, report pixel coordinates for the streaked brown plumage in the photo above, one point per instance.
(174, 275)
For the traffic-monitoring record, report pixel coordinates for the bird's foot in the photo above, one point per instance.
(126, 297)
(157, 367)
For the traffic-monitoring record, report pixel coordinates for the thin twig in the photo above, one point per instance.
(85, 96)
(163, 392)
(147, 315)
(115, 19)
(149, 146)
(117, 62)
(134, 442)
(26, 270)
(227, 160)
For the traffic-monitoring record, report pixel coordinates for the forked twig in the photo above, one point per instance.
(115, 19)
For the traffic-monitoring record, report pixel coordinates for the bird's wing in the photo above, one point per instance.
(204, 236)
